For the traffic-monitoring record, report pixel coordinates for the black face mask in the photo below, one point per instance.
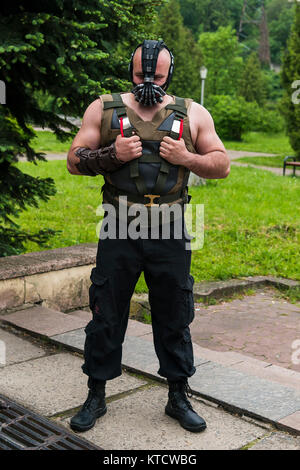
(147, 93)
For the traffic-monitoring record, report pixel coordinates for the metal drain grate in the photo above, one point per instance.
(24, 430)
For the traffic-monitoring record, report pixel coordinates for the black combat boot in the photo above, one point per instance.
(93, 407)
(180, 408)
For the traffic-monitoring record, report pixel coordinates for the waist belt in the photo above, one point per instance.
(112, 193)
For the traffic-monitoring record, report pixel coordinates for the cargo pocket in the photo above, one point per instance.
(102, 301)
(89, 345)
(188, 300)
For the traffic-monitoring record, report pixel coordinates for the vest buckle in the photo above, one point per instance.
(151, 197)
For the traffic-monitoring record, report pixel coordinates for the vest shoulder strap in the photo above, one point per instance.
(179, 107)
(114, 101)
(180, 113)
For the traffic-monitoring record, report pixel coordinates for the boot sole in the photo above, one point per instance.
(188, 428)
(79, 428)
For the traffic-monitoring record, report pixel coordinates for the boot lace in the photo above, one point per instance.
(182, 393)
(188, 390)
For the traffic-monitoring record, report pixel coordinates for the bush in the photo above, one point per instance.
(233, 116)
(270, 121)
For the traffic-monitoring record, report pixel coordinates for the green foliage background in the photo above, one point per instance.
(57, 56)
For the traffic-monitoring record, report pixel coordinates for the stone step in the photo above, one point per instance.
(44, 321)
(217, 289)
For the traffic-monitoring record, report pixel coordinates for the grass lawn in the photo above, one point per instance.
(263, 143)
(276, 162)
(47, 142)
(251, 227)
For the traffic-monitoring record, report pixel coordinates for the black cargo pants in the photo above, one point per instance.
(166, 267)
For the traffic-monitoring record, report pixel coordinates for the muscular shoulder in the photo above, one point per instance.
(93, 113)
(199, 115)
(200, 121)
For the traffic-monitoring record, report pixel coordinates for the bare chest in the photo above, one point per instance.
(145, 113)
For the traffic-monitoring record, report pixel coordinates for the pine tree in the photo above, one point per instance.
(67, 49)
(252, 85)
(290, 76)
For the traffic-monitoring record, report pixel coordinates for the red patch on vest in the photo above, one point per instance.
(97, 309)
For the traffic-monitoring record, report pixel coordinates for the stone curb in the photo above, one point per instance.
(242, 391)
(218, 289)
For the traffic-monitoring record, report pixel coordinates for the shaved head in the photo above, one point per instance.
(162, 66)
(163, 56)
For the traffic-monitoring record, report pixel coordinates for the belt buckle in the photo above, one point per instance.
(151, 197)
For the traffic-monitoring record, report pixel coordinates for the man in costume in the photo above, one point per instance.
(145, 143)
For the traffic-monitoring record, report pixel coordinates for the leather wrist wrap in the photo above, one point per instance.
(97, 162)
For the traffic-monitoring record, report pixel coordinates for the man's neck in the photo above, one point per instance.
(130, 101)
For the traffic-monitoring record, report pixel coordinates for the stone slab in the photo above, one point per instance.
(138, 422)
(218, 288)
(83, 314)
(48, 260)
(54, 383)
(277, 441)
(18, 349)
(138, 353)
(292, 421)
(286, 377)
(136, 328)
(227, 358)
(43, 321)
(254, 395)
(74, 339)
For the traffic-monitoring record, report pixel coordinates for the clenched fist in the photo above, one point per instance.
(174, 151)
(128, 148)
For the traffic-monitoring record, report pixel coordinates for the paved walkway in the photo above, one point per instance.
(246, 386)
(263, 326)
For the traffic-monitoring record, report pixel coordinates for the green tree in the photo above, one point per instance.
(208, 15)
(187, 55)
(252, 85)
(65, 49)
(290, 79)
(221, 56)
(280, 17)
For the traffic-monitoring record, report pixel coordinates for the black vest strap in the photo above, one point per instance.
(118, 105)
(180, 113)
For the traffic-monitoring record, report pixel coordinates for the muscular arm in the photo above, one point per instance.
(211, 160)
(88, 136)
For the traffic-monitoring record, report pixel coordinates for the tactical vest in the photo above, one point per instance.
(150, 179)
